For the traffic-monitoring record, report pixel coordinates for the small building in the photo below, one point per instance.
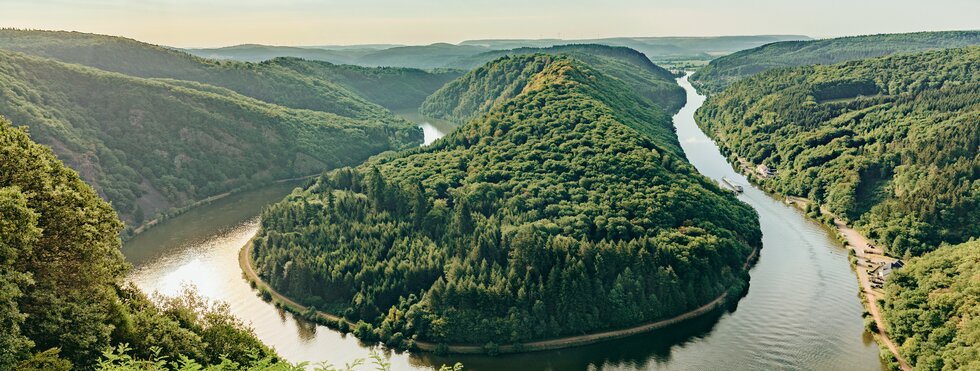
(889, 267)
(765, 171)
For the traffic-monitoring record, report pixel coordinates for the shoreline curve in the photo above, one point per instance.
(246, 265)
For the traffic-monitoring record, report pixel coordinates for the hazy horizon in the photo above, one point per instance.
(195, 23)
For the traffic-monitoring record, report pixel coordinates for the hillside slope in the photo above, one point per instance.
(931, 308)
(391, 87)
(270, 81)
(723, 71)
(564, 209)
(62, 299)
(890, 144)
(152, 145)
(478, 92)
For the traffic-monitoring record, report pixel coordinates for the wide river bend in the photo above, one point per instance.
(801, 311)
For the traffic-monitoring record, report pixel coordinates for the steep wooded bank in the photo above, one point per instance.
(474, 95)
(891, 145)
(62, 301)
(566, 208)
(932, 308)
(154, 145)
(723, 71)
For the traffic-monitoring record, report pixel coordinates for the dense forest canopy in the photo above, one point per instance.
(565, 209)
(932, 308)
(725, 70)
(149, 145)
(478, 92)
(890, 144)
(62, 301)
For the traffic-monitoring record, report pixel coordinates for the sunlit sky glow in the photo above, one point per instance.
(189, 23)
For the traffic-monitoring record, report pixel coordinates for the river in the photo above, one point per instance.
(801, 311)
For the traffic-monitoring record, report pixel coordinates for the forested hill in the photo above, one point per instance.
(890, 144)
(931, 308)
(151, 145)
(562, 210)
(392, 87)
(492, 83)
(723, 71)
(273, 81)
(62, 302)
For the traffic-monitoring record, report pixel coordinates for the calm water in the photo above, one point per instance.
(801, 311)
(432, 128)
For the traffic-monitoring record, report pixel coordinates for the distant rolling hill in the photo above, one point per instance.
(259, 53)
(723, 71)
(450, 55)
(273, 81)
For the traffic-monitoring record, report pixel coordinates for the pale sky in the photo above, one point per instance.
(200, 23)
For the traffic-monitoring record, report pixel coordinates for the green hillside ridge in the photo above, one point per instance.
(565, 209)
(931, 308)
(479, 91)
(890, 144)
(391, 87)
(149, 145)
(62, 300)
(270, 81)
(724, 71)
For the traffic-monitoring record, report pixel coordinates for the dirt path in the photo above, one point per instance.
(857, 242)
(245, 261)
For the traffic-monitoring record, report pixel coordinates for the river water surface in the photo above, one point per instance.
(801, 311)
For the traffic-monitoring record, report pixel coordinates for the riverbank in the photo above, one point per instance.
(245, 261)
(162, 217)
(866, 257)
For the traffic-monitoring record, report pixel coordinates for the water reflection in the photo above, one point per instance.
(432, 128)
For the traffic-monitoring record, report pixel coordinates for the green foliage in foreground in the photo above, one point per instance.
(566, 209)
(477, 92)
(932, 308)
(891, 144)
(61, 298)
(120, 359)
(724, 71)
(149, 145)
